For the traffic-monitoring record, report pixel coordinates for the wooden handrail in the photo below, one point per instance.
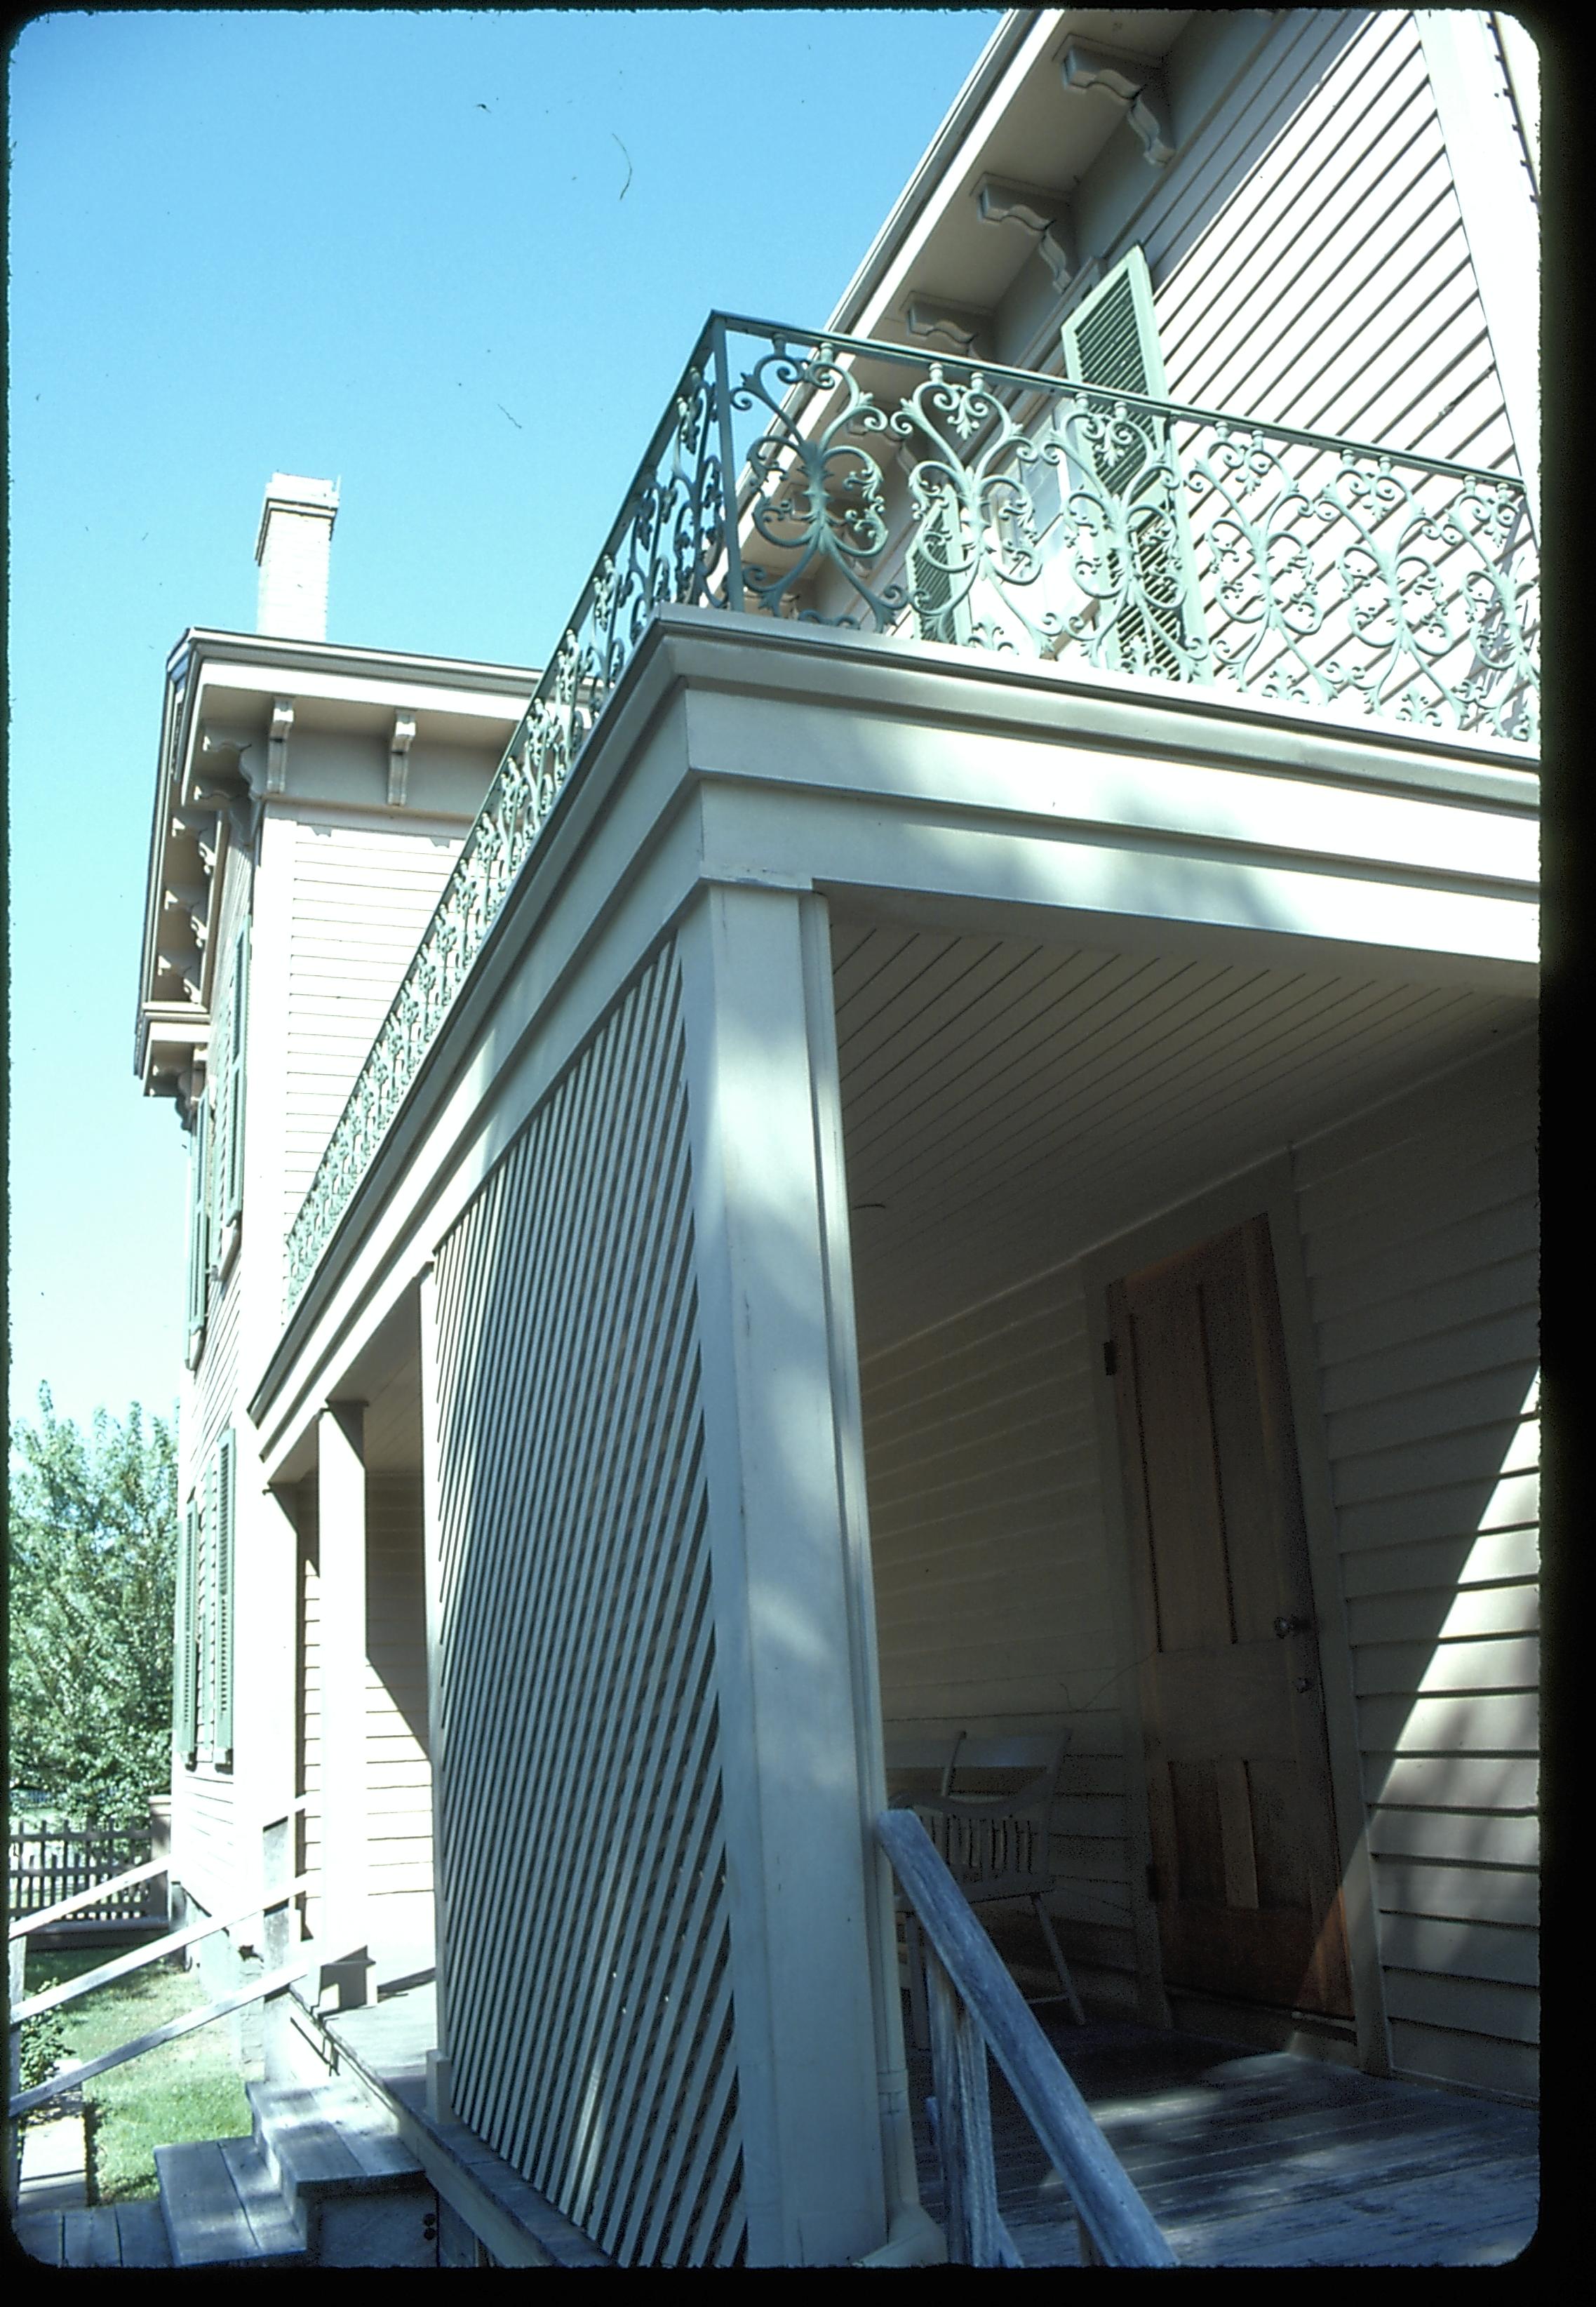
(157, 1950)
(1122, 2230)
(25, 1924)
(274, 1983)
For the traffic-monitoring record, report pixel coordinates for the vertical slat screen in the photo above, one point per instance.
(581, 1840)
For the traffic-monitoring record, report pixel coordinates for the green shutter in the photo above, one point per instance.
(233, 1192)
(936, 573)
(199, 1227)
(185, 1659)
(222, 1548)
(1113, 341)
(205, 1616)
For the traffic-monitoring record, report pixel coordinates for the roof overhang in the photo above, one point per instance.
(222, 711)
(1026, 122)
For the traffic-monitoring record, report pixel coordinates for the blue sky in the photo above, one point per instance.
(454, 260)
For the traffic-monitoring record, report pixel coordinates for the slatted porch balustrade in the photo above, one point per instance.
(869, 487)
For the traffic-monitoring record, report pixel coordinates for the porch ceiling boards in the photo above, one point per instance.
(1007, 1106)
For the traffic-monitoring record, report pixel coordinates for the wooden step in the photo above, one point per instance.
(111, 2234)
(222, 2206)
(357, 2195)
(325, 2140)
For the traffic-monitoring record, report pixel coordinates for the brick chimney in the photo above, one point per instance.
(293, 549)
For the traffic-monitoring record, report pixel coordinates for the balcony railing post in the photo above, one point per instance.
(720, 359)
(976, 2235)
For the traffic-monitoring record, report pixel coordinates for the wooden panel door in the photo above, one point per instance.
(1246, 1876)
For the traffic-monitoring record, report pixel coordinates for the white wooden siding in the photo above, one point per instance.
(361, 898)
(400, 1846)
(399, 1774)
(1419, 1236)
(991, 1574)
(1308, 253)
(586, 1936)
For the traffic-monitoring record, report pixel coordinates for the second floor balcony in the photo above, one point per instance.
(878, 488)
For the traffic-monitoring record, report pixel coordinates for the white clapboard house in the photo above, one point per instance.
(931, 1130)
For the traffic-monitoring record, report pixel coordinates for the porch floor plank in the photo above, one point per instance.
(1246, 2159)
(1267, 2161)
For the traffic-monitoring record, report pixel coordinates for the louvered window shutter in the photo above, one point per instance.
(238, 1019)
(199, 1228)
(1112, 338)
(937, 574)
(1112, 342)
(185, 1661)
(222, 1548)
(205, 1616)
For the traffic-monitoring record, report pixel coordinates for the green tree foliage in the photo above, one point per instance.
(93, 1550)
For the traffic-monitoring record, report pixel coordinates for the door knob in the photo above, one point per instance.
(1284, 1627)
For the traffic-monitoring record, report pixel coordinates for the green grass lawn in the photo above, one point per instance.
(187, 2089)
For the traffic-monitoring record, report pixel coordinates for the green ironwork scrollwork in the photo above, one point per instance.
(941, 499)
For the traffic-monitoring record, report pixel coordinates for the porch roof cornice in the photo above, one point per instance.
(203, 795)
(634, 808)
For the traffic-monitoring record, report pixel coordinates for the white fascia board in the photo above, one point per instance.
(1114, 880)
(945, 687)
(378, 688)
(205, 643)
(1061, 779)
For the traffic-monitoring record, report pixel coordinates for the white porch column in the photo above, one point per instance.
(819, 2029)
(341, 1499)
(438, 2072)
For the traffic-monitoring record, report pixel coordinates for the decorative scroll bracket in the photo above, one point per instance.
(1044, 215)
(1133, 83)
(399, 758)
(187, 964)
(961, 324)
(276, 749)
(222, 752)
(188, 906)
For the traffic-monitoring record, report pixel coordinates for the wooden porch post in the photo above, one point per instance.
(819, 2043)
(438, 2067)
(342, 1514)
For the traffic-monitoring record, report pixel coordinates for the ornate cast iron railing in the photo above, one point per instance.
(883, 490)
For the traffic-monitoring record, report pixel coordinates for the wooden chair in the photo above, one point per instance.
(995, 1845)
